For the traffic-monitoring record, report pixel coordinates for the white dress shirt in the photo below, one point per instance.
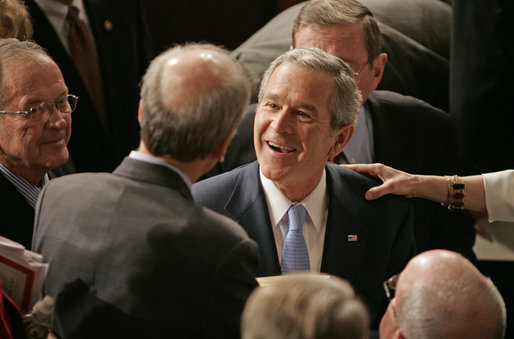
(29, 191)
(361, 148)
(316, 204)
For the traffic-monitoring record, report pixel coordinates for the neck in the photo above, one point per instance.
(296, 191)
(194, 169)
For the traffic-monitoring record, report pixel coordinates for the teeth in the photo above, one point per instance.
(280, 148)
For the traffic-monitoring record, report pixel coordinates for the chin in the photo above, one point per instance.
(274, 173)
(58, 160)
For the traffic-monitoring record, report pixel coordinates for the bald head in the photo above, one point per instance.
(193, 96)
(193, 73)
(440, 294)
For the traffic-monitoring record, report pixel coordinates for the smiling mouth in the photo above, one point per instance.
(280, 149)
(54, 141)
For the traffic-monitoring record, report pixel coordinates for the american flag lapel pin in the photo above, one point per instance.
(353, 237)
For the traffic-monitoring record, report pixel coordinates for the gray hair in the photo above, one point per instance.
(346, 101)
(437, 310)
(305, 306)
(193, 128)
(13, 51)
(342, 12)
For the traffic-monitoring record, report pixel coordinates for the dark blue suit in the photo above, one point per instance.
(383, 227)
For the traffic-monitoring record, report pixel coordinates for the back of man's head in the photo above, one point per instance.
(442, 295)
(341, 13)
(193, 97)
(304, 306)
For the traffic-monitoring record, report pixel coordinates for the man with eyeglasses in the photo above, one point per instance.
(393, 129)
(35, 127)
(442, 295)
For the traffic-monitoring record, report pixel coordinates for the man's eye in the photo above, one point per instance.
(272, 105)
(34, 110)
(303, 116)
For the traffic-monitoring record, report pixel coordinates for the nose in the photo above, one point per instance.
(282, 121)
(55, 118)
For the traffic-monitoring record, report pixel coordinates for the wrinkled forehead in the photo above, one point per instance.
(34, 76)
(344, 41)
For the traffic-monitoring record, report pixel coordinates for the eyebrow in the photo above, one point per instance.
(300, 105)
(38, 101)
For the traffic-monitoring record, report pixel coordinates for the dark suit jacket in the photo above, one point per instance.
(412, 136)
(416, 38)
(124, 53)
(132, 256)
(481, 83)
(383, 227)
(16, 214)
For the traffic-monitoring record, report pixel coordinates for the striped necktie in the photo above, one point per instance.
(85, 58)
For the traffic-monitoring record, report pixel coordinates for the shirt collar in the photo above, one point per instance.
(278, 204)
(29, 191)
(56, 12)
(153, 160)
(360, 148)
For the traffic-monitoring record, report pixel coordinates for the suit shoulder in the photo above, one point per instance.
(72, 182)
(217, 184)
(392, 99)
(352, 178)
(359, 183)
(222, 224)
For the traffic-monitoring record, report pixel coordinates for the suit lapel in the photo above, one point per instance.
(247, 205)
(16, 215)
(346, 234)
(152, 173)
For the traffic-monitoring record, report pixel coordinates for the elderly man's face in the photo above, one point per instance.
(292, 132)
(346, 43)
(38, 145)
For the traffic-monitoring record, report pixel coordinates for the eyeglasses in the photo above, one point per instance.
(390, 286)
(44, 109)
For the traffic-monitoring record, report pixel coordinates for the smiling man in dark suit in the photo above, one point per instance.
(35, 126)
(399, 131)
(105, 128)
(131, 255)
(307, 107)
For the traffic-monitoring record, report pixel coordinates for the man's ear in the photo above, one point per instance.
(221, 149)
(378, 68)
(140, 113)
(398, 334)
(342, 137)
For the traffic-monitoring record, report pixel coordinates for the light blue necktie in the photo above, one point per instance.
(295, 256)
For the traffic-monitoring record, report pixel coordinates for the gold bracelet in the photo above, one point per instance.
(456, 187)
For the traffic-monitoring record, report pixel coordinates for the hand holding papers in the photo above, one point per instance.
(22, 273)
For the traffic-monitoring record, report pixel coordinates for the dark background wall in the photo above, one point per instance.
(225, 22)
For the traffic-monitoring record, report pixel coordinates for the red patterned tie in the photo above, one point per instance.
(85, 58)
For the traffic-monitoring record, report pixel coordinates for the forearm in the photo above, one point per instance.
(436, 188)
